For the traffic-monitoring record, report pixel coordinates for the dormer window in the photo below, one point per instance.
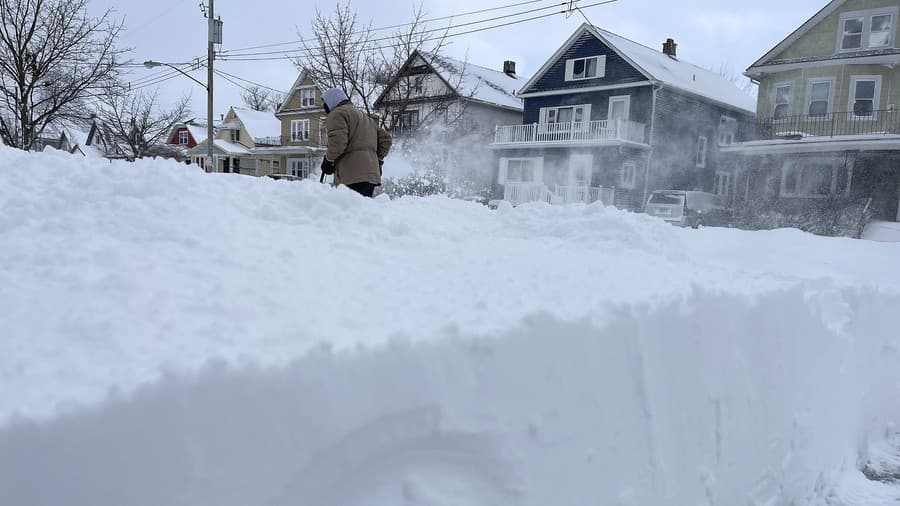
(592, 67)
(873, 29)
(183, 137)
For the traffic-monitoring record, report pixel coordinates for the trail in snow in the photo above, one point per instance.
(173, 337)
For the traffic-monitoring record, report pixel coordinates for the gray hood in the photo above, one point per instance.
(333, 97)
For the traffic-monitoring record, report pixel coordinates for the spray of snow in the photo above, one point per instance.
(172, 337)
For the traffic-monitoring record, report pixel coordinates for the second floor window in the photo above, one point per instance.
(819, 98)
(864, 96)
(782, 101)
(727, 130)
(307, 97)
(585, 68)
(300, 130)
(570, 114)
(182, 137)
(866, 30)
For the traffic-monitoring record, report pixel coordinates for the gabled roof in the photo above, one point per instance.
(659, 67)
(258, 123)
(799, 32)
(197, 130)
(304, 73)
(472, 82)
(477, 83)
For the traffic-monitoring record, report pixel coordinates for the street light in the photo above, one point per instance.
(209, 111)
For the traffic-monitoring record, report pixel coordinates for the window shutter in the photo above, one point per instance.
(504, 168)
(601, 66)
(570, 69)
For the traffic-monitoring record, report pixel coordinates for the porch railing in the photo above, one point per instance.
(521, 193)
(575, 132)
(832, 124)
(289, 140)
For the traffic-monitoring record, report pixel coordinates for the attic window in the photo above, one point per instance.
(870, 29)
(308, 97)
(585, 68)
(183, 137)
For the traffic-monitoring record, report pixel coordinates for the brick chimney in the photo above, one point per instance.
(669, 48)
(509, 68)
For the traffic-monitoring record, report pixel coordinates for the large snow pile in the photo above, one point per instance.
(171, 337)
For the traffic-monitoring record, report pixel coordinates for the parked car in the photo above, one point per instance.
(687, 208)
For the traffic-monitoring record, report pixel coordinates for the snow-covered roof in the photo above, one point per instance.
(231, 148)
(479, 83)
(198, 132)
(678, 73)
(258, 123)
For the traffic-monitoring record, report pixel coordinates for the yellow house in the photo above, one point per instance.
(296, 154)
(240, 134)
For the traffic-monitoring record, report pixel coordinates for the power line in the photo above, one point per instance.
(402, 25)
(468, 32)
(250, 82)
(427, 31)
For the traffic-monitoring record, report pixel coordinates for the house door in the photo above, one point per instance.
(226, 165)
(580, 168)
(618, 112)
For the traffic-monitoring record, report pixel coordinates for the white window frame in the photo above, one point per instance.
(538, 169)
(304, 97)
(829, 108)
(876, 102)
(790, 102)
(702, 148)
(619, 98)
(183, 137)
(305, 167)
(585, 113)
(727, 130)
(601, 68)
(722, 183)
(299, 126)
(628, 175)
(866, 16)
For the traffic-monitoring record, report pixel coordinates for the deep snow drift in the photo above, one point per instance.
(176, 338)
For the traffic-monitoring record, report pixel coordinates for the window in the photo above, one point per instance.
(276, 164)
(298, 167)
(727, 130)
(701, 151)
(871, 29)
(569, 114)
(585, 68)
(819, 98)
(864, 95)
(307, 97)
(299, 130)
(235, 135)
(183, 137)
(409, 119)
(722, 183)
(419, 84)
(627, 177)
(782, 101)
(808, 177)
(520, 170)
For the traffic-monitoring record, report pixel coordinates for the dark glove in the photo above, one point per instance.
(327, 166)
(380, 167)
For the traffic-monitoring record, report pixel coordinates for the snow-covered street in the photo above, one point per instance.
(171, 337)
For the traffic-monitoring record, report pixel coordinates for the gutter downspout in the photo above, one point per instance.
(656, 88)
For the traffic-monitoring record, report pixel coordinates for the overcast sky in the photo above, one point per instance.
(709, 33)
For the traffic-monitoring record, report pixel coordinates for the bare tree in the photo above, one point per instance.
(739, 80)
(344, 53)
(53, 56)
(261, 99)
(136, 121)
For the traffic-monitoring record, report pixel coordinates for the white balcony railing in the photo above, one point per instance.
(521, 193)
(565, 133)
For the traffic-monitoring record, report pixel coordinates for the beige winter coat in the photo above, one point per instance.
(356, 143)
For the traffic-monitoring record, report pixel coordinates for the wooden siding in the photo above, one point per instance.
(191, 141)
(618, 71)
(681, 119)
(641, 103)
(821, 40)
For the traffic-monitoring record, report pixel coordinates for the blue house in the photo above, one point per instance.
(612, 120)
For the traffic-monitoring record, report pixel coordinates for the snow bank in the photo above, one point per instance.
(220, 339)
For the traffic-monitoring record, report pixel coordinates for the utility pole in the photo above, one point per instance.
(210, 57)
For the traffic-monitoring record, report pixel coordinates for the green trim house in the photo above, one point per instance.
(824, 153)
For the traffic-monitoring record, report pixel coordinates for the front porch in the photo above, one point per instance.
(523, 193)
